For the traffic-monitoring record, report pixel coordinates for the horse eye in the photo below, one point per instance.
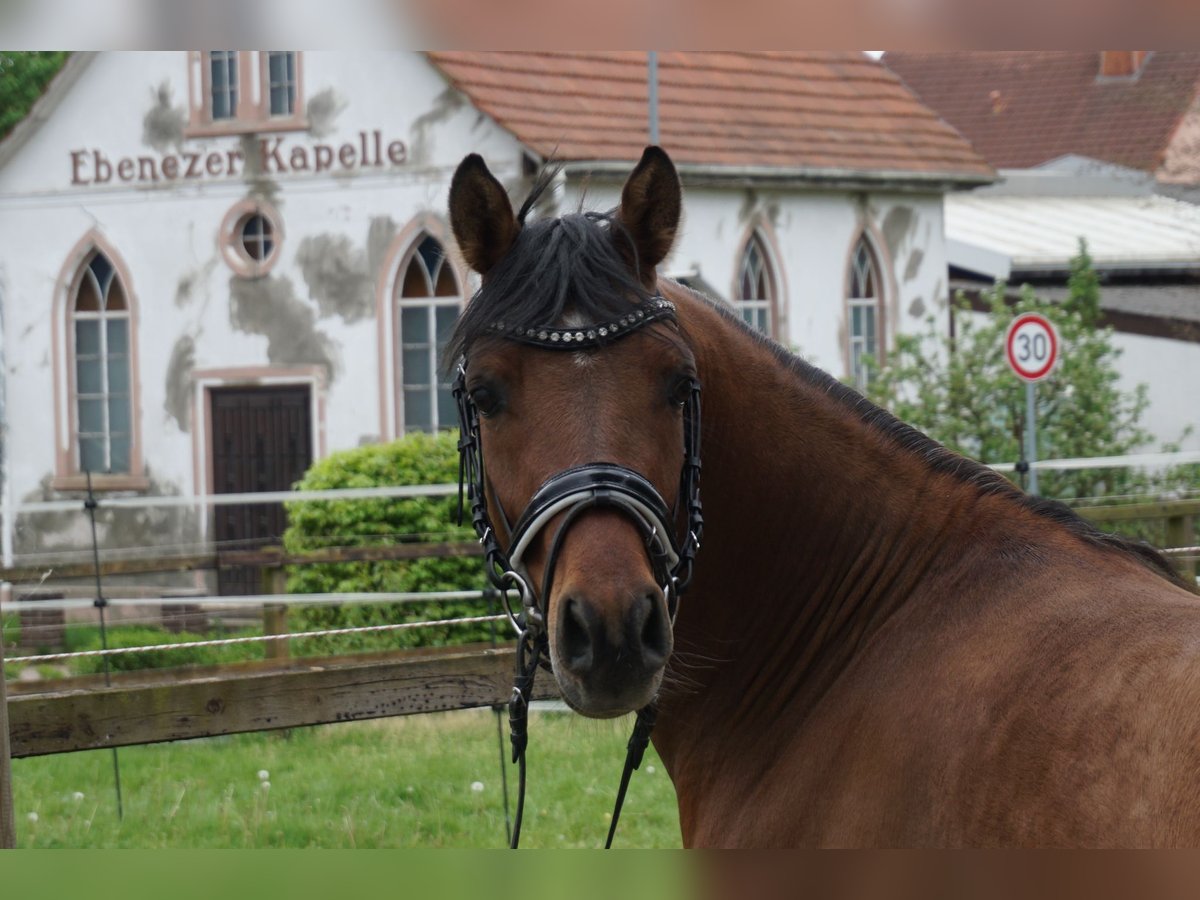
(486, 401)
(681, 390)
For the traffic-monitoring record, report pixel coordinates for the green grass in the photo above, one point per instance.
(390, 783)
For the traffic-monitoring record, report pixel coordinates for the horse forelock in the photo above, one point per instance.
(568, 268)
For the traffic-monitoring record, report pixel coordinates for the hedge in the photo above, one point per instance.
(413, 460)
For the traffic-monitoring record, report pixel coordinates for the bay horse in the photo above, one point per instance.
(884, 644)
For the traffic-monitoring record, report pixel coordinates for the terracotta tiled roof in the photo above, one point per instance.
(790, 110)
(1022, 108)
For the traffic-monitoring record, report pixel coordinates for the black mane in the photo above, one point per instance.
(941, 459)
(570, 263)
(574, 263)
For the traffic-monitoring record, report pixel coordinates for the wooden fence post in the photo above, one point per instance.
(275, 615)
(8, 835)
(1180, 534)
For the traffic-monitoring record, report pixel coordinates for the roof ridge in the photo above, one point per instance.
(719, 108)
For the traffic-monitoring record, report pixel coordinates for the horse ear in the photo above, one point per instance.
(480, 215)
(651, 204)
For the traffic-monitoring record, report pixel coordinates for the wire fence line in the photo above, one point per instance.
(146, 501)
(143, 501)
(226, 642)
(188, 549)
(399, 597)
(1129, 461)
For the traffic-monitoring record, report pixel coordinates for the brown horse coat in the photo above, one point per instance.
(880, 651)
(885, 645)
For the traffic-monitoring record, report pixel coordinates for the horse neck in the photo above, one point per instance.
(818, 529)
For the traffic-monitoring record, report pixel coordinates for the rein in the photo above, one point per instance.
(571, 493)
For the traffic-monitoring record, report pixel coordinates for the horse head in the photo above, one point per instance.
(576, 387)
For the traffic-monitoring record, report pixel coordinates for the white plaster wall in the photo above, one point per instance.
(167, 237)
(814, 234)
(1171, 371)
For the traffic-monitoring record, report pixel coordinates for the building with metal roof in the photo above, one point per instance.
(1145, 247)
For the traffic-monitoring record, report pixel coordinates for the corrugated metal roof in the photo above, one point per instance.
(1042, 233)
(1164, 301)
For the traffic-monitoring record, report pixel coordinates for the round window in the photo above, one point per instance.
(257, 237)
(250, 238)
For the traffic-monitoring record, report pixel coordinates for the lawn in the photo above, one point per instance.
(419, 781)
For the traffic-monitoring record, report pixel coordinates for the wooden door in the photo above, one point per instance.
(261, 441)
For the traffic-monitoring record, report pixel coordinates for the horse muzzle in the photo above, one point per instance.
(608, 591)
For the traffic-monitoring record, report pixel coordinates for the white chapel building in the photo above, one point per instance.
(218, 266)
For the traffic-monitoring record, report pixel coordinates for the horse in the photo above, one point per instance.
(884, 644)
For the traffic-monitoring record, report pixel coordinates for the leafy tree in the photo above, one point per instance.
(23, 77)
(962, 392)
(314, 524)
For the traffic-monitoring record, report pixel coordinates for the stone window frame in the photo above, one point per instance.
(396, 260)
(229, 238)
(431, 379)
(68, 475)
(865, 238)
(760, 234)
(253, 114)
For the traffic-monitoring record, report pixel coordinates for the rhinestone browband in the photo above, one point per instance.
(650, 310)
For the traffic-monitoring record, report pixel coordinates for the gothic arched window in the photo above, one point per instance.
(756, 286)
(428, 301)
(102, 404)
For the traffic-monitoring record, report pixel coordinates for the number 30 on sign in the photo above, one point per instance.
(1031, 346)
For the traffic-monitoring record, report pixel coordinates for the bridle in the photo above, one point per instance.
(570, 494)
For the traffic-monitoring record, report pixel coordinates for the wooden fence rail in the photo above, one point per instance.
(46, 717)
(283, 692)
(270, 556)
(1179, 515)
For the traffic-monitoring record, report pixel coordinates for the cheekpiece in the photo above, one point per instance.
(653, 309)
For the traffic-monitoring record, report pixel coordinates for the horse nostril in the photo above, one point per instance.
(576, 636)
(656, 633)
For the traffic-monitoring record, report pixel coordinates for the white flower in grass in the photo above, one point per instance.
(266, 786)
(477, 787)
(650, 770)
(77, 796)
(263, 774)
(33, 817)
(409, 789)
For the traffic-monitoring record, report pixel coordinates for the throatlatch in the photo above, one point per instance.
(569, 494)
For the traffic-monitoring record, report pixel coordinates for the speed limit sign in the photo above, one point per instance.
(1031, 346)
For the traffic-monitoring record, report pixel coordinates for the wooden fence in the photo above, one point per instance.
(1179, 515)
(282, 692)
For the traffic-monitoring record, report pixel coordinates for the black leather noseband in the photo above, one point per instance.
(569, 494)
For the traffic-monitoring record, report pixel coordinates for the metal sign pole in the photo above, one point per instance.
(8, 837)
(1031, 436)
(1031, 347)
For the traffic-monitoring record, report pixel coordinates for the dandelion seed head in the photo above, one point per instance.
(650, 770)
(263, 774)
(477, 786)
(77, 796)
(33, 817)
(266, 785)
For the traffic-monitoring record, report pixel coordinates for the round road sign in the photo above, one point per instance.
(1031, 346)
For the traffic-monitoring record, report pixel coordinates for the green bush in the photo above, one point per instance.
(413, 460)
